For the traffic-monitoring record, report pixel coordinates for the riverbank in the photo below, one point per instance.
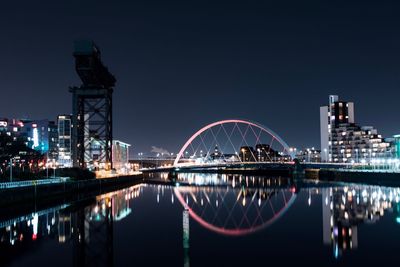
(69, 190)
(354, 176)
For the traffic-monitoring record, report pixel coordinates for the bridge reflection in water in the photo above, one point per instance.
(230, 205)
(236, 205)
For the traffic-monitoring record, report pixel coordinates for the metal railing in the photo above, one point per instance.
(33, 182)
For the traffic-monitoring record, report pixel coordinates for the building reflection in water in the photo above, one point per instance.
(88, 226)
(233, 205)
(240, 205)
(345, 208)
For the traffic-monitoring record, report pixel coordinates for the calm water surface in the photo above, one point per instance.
(212, 220)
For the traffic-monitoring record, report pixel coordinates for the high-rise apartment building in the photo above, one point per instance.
(342, 140)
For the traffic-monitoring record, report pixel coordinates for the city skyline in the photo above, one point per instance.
(203, 133)
(180, 67)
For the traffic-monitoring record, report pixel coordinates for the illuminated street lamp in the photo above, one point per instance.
(370, 154)
(11, 170)
(54, 168)
(356, 154)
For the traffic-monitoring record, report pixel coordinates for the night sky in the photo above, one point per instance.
(181, 65)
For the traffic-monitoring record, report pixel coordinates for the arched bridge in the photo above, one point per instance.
(235, 143)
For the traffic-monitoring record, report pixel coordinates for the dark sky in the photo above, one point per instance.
(181, 65)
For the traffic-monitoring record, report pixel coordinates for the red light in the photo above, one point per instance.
(34, 237)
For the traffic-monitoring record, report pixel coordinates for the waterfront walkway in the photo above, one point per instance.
(27, 183)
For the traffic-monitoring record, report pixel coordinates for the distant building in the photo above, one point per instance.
(342, 140)
(120, 155)
(261, 153)
(64, 140)
(309, 155)
(396, 145)
(40, 135)
(247, 154)
(3, 124)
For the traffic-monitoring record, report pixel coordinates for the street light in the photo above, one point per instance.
(370, 154)
(356, 154)
(54, 168)
(11, 165)
(47, 168)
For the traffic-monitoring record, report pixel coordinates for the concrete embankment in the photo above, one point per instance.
(354, 176)
(280, 172)
(67, 191)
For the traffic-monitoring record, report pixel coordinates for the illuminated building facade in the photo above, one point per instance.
(64, 140)
(397, 145)
(40, 135)
(309, 155)
(342, 140)
(120, 155)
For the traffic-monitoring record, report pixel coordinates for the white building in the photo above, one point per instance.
(342, 140)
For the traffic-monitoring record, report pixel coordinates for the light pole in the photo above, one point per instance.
(356, 155)
(343, 156)
(370, 155)
(11, 165)
(47, 168)
(54, 168)
(140, 160)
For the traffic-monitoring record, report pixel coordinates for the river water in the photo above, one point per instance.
(212, 220)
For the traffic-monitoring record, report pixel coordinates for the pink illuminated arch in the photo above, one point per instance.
(234, 121)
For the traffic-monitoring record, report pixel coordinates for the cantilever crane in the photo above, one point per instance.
(92, 109)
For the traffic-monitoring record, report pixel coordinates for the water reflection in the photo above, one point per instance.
(345, 208)
(239, 205)
(234, 205)
(228, 205)
(88, 228)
